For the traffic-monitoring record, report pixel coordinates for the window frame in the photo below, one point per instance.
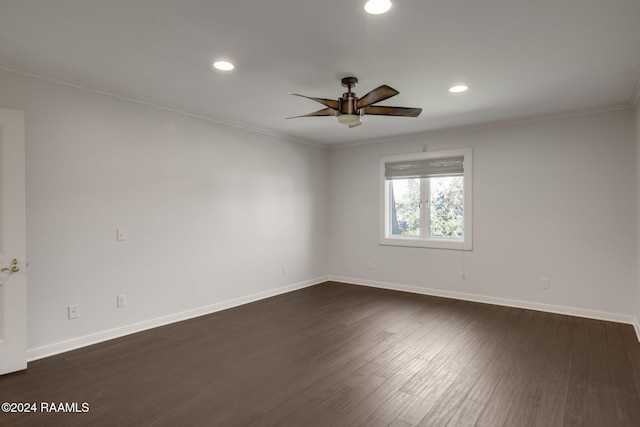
(388, 239)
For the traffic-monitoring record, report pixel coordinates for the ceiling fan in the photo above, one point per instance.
(350, 108)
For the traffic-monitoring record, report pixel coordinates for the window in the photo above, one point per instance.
(426, 199)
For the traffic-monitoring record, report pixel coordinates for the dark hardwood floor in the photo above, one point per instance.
(342, 355)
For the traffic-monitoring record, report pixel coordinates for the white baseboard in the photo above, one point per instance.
(558, 309)
(86, 340)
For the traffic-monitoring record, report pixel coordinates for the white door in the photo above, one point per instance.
(13, 246)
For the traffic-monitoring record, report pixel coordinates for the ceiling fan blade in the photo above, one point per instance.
(393, 111)
(323, 112)
(356, 125)
(378, 94)
(331, 103)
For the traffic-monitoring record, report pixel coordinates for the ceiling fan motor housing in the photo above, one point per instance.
(348, 103)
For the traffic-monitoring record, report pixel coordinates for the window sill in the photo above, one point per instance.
(419, 242)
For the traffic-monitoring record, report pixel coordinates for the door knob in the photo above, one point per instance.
(14, 267)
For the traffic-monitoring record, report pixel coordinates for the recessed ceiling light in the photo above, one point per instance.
(376, 7)
(223, 65)
(458, 89)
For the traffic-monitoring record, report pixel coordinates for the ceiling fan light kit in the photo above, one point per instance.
(350, 108)
(349, 119)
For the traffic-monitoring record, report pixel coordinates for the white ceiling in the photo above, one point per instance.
(520, 58)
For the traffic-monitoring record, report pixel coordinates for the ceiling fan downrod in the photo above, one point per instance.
(349, 100)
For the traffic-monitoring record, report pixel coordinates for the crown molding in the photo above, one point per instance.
(633, 102)
(487, 125)
(102, 91)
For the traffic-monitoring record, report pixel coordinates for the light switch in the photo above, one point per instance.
(121, 234)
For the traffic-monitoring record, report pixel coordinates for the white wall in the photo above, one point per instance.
(212, 213)
(552, 199)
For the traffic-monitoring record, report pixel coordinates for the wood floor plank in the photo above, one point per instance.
(389, 410)
(555, 373)
(621, 369)
(467, 414)
(576, 411)
(500, 361)
(632, 351)
(342, 355)
(527, 332)
(540, 397)
(336, 409)
(441, 394)
(476, 359)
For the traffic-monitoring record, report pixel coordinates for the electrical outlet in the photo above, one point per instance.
(121, 301)
(370, 265)
(73, 311)
(284, 270)
(544, 284)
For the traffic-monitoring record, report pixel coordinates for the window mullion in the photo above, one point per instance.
(425, 207)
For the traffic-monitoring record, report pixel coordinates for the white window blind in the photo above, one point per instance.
(425, 168)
